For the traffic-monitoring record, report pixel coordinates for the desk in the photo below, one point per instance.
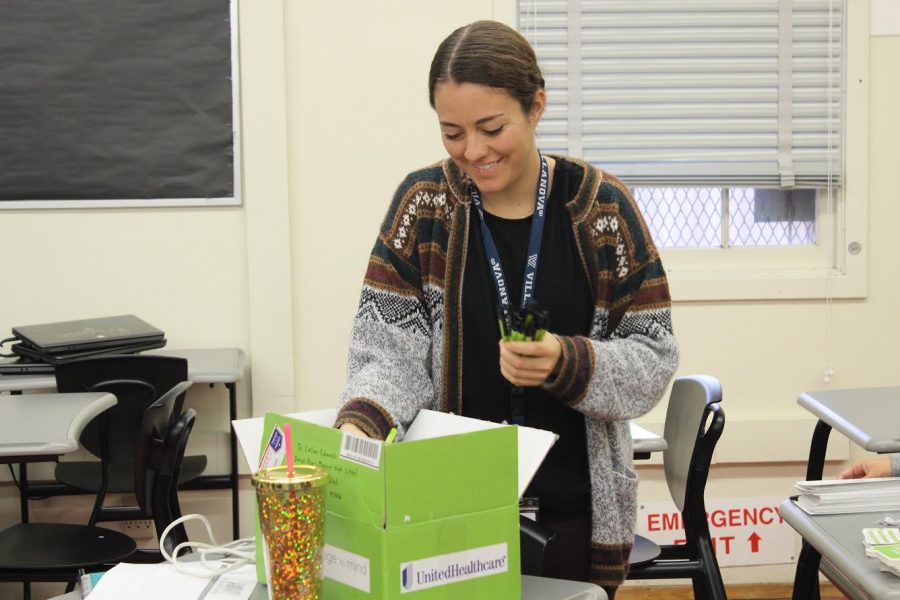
(41, 427)
(644, 442)
(533, 588)
(207, 365)
(838, 539)
(868, 417)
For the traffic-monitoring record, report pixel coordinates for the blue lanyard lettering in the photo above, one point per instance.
(534, 242)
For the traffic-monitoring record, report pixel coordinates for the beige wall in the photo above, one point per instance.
(335, 112)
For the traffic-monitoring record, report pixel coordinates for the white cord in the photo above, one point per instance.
(228, 557)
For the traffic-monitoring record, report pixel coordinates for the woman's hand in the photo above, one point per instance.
(528, 364)
(353, 429)
(866, 469)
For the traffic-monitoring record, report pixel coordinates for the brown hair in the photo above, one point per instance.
(488, 53)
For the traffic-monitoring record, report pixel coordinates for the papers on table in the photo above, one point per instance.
(163, 580)
(883, 544)
(840, 496)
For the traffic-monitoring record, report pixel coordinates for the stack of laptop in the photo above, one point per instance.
(41, 347)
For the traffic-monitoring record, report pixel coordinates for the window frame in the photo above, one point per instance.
(836, 266)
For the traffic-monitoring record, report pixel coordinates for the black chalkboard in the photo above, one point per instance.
(116, 100)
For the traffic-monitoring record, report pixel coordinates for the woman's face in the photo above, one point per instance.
(487, 134)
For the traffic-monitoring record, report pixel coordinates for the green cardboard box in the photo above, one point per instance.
(430, 518)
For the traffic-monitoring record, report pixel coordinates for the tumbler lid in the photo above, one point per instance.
(306, 477)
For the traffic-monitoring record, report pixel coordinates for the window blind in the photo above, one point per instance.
(722, 93)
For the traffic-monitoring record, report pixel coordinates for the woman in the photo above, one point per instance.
(496, 224)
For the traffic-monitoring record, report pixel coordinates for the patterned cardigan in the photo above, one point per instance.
(406, 344)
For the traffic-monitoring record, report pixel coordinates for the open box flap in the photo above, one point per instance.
(534, 444)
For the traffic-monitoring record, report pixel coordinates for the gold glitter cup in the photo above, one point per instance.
(292, 519)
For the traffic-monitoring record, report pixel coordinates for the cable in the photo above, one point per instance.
(230, 556)
(9, 339)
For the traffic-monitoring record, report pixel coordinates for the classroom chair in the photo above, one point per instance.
(55, 551)
(694, 423)
(136, 381)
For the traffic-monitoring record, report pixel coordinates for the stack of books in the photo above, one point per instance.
(841, 496)
(883, 544)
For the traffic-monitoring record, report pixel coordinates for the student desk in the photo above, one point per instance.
(41, 427)
(533, 588)
(645, 442)
(208, 365)
(838, 539)
(869, 418)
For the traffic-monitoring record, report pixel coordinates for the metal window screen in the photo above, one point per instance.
(695, 217)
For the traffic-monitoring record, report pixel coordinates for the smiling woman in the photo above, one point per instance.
(500, 230)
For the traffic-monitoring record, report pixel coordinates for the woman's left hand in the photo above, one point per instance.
(528, 364)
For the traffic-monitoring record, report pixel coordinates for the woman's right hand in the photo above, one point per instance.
(353, 429)
(866, 469)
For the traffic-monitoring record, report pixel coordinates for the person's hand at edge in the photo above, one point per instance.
(529, 364)
(867, 469)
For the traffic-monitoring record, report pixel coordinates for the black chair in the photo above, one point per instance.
(533, 541)
(136, 381)
(55, 552)
(159, 458)
(694, 423)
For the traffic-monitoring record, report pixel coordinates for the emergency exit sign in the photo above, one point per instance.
(744, 531)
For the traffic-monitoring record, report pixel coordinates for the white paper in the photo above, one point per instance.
(163, 580)
(842, 496)
(534, 444)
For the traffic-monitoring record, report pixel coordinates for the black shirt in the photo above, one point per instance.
(562, 483)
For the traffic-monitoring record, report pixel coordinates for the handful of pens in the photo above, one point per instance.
(525, 325)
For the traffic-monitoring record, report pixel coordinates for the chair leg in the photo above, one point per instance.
(699, 585)
(806, 577)
(713, 585)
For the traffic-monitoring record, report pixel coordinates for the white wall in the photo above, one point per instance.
(335, 112)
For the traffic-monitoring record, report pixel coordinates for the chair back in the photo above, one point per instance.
(136, 381)
(150, 449)
(694, 423)
(161, 448)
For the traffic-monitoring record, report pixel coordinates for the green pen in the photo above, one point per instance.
(391, 436)
(501, 319)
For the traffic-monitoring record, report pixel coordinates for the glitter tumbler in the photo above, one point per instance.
(292, 517)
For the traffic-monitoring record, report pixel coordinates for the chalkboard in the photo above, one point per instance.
(117, 100)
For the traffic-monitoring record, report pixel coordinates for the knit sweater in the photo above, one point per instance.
(406, 343)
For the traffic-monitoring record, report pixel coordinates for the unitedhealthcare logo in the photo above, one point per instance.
(446, 569)
(405, 576)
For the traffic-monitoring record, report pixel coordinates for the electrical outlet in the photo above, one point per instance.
(139, 525)
(142, 530)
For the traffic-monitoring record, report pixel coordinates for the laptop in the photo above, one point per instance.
(87, 334)
(30, 354)
(20, 366)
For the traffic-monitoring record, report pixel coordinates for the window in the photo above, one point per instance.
(727, 118)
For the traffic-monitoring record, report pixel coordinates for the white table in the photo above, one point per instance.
(533, 588)
(838, 538)
(645, 442)
(868, 417)
(205, 365)
(41, 427)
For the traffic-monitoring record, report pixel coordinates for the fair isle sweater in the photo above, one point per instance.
(406, 343)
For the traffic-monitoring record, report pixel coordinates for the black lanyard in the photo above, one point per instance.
(534, 242)
(517, 398)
